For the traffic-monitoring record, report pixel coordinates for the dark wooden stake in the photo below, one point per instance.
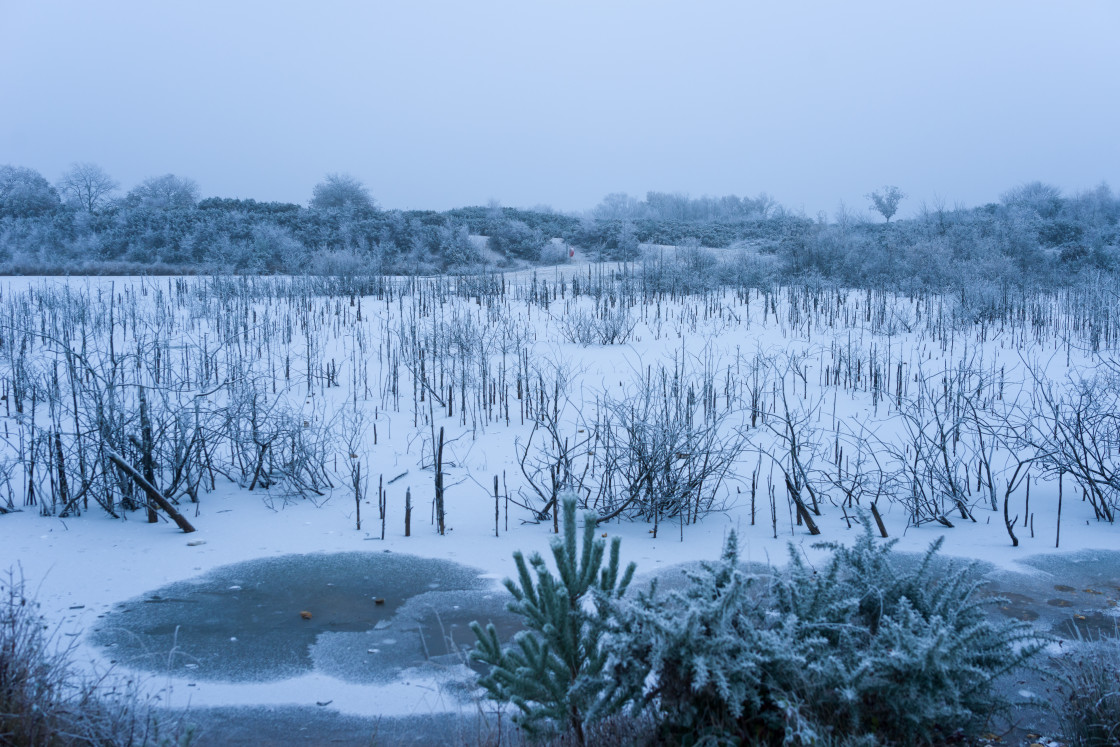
(382, 503)
(440, 525)
(1058, 533)
(408, 512)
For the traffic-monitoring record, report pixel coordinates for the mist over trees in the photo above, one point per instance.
(83, 224)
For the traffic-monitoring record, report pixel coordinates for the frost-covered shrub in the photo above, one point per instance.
(555, 252)
(45, 701)
(602, 326)
(858, 648)
(1090, 706)
(665, 454)
(553, 671)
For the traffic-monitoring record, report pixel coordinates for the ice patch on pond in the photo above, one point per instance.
(430, 631)
(277, 618)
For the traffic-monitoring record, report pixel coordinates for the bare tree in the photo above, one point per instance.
(86, 185)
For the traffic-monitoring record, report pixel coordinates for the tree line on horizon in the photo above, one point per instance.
(84, 224)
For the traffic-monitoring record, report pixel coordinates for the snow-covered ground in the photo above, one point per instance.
(835, 356)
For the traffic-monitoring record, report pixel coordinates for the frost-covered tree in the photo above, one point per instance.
(164, 193)
(625, 245)
(619, 206)
(275, 250)
(341, 192)
(1044, 199)
(516, 239)
(885, 201)
(87, 186)
(24, 193)
(455, 246)
(553, 671)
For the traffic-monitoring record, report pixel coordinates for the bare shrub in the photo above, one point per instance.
(940, 424)
(666, 452)
(606, 324)
(1077, 432)
(275, 446)
(796, 454)
(557, 457)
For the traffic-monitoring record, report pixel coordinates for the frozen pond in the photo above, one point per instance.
(359, 617)
(1073, 596)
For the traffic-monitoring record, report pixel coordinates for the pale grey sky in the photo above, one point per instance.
(445, 104)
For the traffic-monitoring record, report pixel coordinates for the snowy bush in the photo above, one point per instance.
(860, 647)
(553, 671)
(555, 252)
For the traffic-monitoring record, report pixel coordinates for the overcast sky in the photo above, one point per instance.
(444, 104)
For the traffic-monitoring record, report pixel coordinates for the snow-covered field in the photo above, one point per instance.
(924, 406)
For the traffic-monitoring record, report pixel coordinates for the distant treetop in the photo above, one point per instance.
(165, 192)
(24, 193)
(341, 192)
(885, 201)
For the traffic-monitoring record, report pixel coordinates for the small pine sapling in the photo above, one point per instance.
(554, 670)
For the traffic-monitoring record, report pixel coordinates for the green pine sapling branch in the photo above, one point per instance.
(553, 671)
